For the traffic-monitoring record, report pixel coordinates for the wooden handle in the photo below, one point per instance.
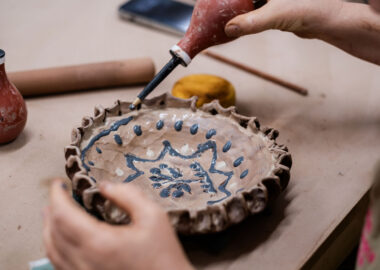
(82, 77)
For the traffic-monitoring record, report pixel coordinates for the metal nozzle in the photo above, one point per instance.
(164, 72)
(135, 104)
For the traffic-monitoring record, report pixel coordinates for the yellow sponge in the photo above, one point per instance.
(207, 88)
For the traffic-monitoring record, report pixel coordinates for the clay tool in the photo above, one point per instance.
(206, 29)
(291, 86)
(83, 77)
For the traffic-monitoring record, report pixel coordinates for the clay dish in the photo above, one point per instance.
(208, 167)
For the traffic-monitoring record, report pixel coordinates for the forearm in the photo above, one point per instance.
(356, 30)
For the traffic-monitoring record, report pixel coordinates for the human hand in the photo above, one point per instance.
(304, 18)
(75, 240)
(352, 27)
(375, 4)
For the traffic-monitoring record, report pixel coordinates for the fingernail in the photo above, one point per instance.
(64, 186)
(233, 30)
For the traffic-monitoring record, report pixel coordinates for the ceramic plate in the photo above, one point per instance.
(208, 167)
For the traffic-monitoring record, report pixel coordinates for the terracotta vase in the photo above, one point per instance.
(13, 111)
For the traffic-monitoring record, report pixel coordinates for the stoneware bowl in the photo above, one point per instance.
(208, 167)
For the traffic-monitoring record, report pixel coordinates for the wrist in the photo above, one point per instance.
(333, 24)
(355, 29)
(320, 21)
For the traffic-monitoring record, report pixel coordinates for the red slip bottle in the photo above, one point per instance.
(208, 21)
(13, 111)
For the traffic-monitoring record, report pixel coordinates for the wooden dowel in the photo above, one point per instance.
(82, 77)
(295, 88)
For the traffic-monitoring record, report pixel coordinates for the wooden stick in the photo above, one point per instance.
(295, 88)
(82, 77)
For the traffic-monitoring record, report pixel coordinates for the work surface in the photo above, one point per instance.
(333, 135)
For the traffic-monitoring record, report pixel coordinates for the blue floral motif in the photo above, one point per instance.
(169, 180)
(174, 179)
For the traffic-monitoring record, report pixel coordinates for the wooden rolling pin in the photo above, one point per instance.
(83, 77)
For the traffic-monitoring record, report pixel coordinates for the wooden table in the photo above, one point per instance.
(333, 135)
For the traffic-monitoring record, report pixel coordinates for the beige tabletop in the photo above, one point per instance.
(333, 135)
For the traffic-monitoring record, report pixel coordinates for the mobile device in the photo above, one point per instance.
(167, 15)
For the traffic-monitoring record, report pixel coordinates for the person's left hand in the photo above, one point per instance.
(75, 240)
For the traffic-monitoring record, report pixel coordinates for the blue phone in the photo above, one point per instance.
(167, 15)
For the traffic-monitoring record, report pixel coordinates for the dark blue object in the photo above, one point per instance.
(194, 129)
(243, 174)
(178, 125)
(160, 124)
(210, 133)
(227, 146)
(137, 130)
(118, 139)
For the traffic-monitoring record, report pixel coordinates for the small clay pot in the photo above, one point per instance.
(13, 111)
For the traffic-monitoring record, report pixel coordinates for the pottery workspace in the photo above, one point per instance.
(261, 150)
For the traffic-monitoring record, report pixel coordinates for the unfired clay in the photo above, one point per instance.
(208, 167)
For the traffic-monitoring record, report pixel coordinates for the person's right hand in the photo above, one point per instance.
(375, 4)
(305, 18)
(352, 27)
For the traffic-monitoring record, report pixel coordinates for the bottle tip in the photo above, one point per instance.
(133, 107)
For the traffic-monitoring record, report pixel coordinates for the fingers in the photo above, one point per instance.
(264, 18)
(130, 199)
(67, 218)
(67, 229)
(52, 252)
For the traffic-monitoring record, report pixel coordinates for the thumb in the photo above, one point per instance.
(253, 22)
(129, 198)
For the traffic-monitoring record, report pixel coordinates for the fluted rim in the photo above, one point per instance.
(212, 218)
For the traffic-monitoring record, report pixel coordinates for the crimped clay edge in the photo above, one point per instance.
(213, 218)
